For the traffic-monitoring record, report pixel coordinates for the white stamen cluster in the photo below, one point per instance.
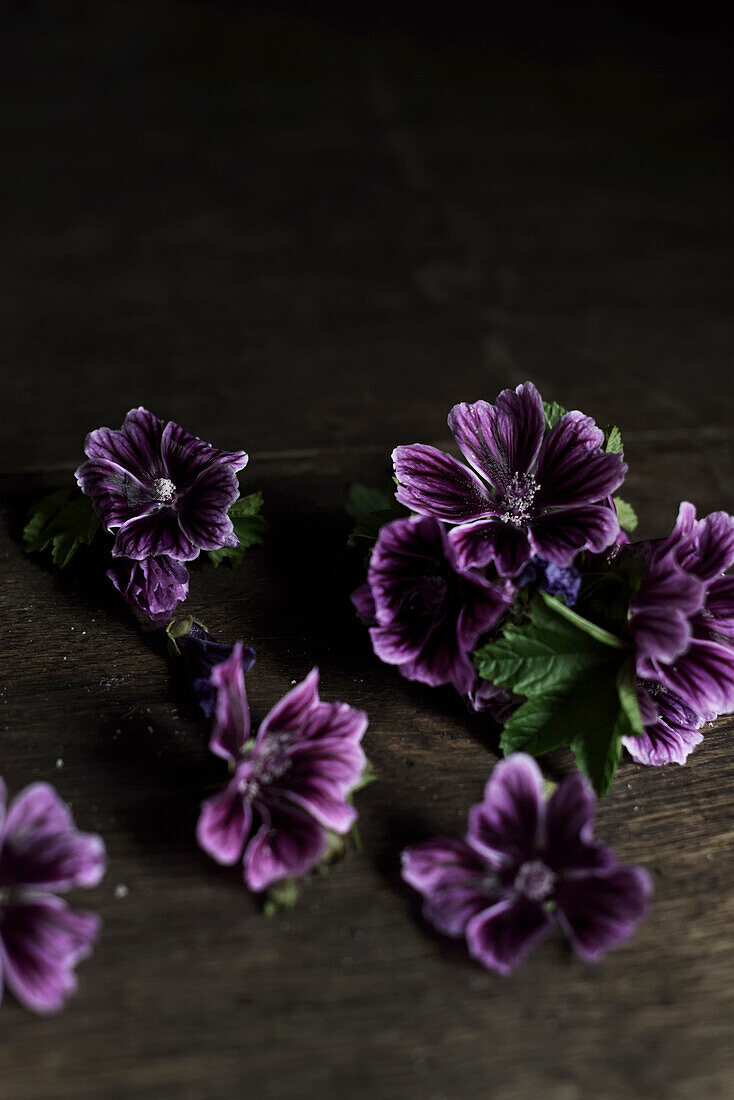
(518, 500)
(164, 489)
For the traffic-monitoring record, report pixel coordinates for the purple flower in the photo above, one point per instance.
(201, 653)
(427, 612)
(154, 586)
(523, 863)
(554, 579)
(163, 491)
(682, 623)
(526, 494)
(41, 937)
(289, 785)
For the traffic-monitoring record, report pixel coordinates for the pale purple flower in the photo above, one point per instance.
(427, 613)
(526, 863)
(290, 784)
(201, 652)
(154, 586)
(526, 493)
(163, 491)
(41, 938)
(682, 624)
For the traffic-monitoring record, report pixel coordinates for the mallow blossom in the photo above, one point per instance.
(160, 490)
(682, 624)
(426, 613)
(41, 938)
(153, 586)
(525, 865)
(289, 785)
(201, 653)
(524, 493)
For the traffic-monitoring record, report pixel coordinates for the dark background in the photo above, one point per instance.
(308, 231)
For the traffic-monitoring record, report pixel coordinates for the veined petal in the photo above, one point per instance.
(661, 611)
(333, 722)
(705, 546)
(42, 941)
(41, 847)
(117, 495)
(231, 727)
(503, 439)
(433, 483)
(569, 824)
(478, 543)
(600, 910)
(559, 536)
(719, 610)
(507, 826)
(289, 843)
(290, 713)
(703, 677)
(319, 798)
(572, 467)
(135, 447)
(156, 534)
(451, 877)
(203, 510)
(224, 824)
(500, 937)
(186, 456)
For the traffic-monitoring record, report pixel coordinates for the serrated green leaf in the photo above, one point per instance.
(626, 514)
(249, 527)
(612, 439)
(362, 501)
(553, 413)
(598, 633)
(62, 522)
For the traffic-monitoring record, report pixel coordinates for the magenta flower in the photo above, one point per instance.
(163, 491)
(427, 612)
(154, 586)
(289, 785)
(682, 623)
(41, 938)
(525, 495)
(524, 863)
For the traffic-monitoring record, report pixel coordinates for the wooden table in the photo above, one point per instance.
(310, 240)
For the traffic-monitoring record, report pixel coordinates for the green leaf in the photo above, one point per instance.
(627, 692)
(553, 413)
(281, 897)
(626, 514)
(361, 501)
(249, 527)
(579, 686)
(599, 634)
(63, 521)
(612, 440)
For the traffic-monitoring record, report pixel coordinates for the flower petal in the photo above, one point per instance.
(706, 546)
(336, 723)
(719, 609)
(185, 456)
(204, 507)
(500, 937)
(660, 612)
(506, 827)
(572, 467)
(503, 439)
(117, 496)
(560, 536)
(289, 843)
(364, 604)
(319, 797)
(451, 878)
(569, 823)
(432, 483)
(602, 909)
(224, 824)
(290, 713)
(153, 535)
(483, 541)
(42, 941)
(703, 677)
(41, 847)
(136, 447)
(231, 727)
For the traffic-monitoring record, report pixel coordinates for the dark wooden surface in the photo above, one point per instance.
(310, 240)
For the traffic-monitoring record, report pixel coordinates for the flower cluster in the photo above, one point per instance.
(289, 786)
(165, 495)
(514, 582)
(524, 864)
(41, 938)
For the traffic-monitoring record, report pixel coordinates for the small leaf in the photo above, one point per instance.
(63, 521)
(281, 897)
(626, 514)
(249, 527)
(612, 440)
(598, 633)
(553, 413)
(361, 501)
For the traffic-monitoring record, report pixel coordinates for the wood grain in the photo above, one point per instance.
(311, 242)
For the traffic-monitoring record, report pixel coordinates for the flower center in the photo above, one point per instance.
(518, 499)
(164, 490)
(534, 880)
(270, 763)
(431, 592)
